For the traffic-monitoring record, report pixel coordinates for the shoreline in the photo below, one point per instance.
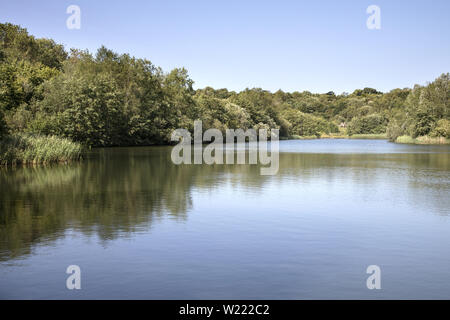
(339, 136)
(29, 155)
(423, 140)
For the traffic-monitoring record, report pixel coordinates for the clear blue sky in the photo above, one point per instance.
(317, 45)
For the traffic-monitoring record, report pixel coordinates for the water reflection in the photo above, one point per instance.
(115, 192)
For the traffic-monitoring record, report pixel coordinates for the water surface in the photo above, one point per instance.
(140, 227)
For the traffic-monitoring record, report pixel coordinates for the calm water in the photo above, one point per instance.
(140, 227)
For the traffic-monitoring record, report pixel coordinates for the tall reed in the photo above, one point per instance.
(35, 149)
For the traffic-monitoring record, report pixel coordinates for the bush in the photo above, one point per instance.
(394, 130)
(303, 124)
(373, 123)
(432, 140)
(85, 109)
(442, 129)
(423, 125)
(405, 139)
(422, 140)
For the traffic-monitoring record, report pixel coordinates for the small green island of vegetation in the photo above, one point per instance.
(54, 103)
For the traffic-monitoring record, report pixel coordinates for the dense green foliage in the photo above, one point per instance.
(114, 99)
(304, 124)
(3, 128)
(426, 112)
(372, 123)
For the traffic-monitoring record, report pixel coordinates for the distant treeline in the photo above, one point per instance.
(111, 99)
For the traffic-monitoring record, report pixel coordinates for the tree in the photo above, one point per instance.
(303, 124)
(83, 108)
(442, 129)
(426, 106)
(3, 127)
(16, 44)
(369, 124)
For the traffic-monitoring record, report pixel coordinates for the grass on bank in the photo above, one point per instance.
(422, 140)
(33, 149)
(369, 136)
(297, 137)
(340, 136)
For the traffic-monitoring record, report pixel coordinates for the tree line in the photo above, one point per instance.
(111, 99)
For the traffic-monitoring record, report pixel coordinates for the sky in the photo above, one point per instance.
(318, 46)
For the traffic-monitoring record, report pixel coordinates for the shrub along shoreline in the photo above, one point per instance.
(369, 136)
(26, 149)
(422, 140)
(32, 149)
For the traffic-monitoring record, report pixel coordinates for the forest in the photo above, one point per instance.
(53, 103)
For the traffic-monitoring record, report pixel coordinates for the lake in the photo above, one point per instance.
(140, 227)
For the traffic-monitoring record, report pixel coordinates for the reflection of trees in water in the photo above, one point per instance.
(421, 179)
(102, 196)
(118, 191)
